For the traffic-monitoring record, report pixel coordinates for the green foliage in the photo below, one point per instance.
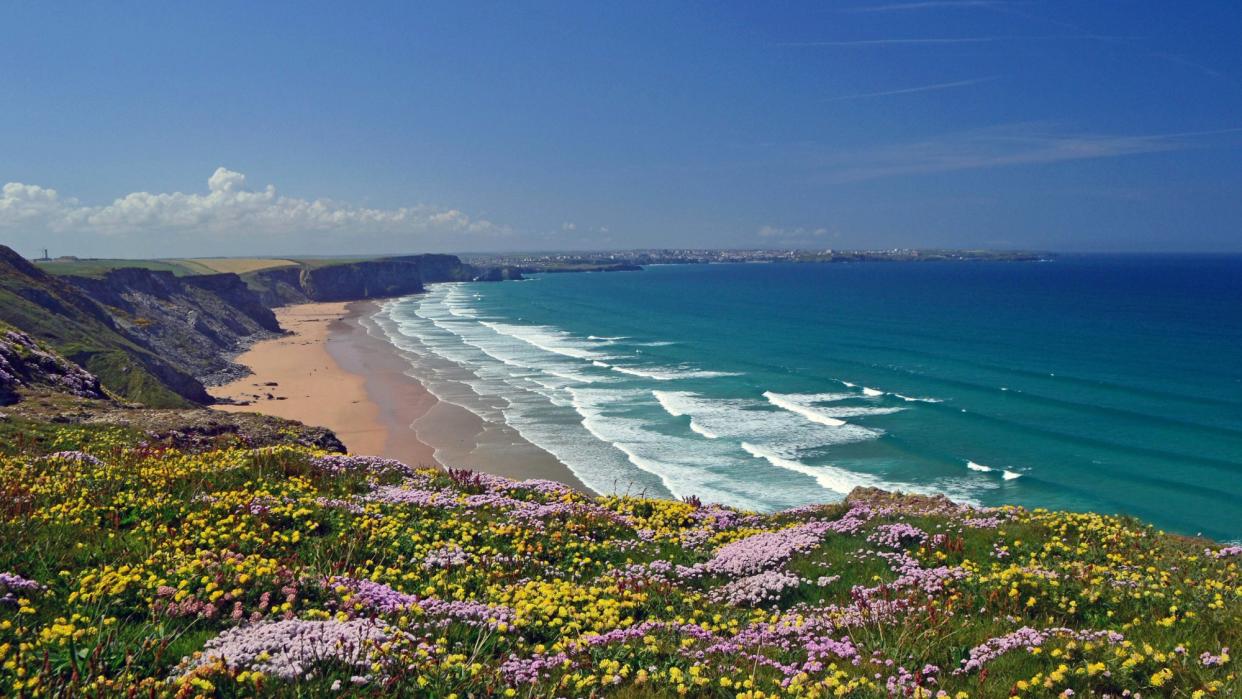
(150, 555)
(63, 318)
(98, 267)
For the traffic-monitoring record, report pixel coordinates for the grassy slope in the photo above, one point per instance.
(149, 555)
(61, 316)
(239, 265)
(100, 266)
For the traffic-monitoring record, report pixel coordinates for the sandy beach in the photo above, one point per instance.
(331, 371)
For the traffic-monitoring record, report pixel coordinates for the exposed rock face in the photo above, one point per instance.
(278, 287)
(25, 364)
(196, 322)
(65, 318)
(155, 338)
(362, 280)
(232, 290)
(391, 276)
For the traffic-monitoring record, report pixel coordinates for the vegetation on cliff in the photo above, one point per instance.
(219, 569)
(59, 314)
(156, 331)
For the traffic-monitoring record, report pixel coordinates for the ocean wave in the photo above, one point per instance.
(785, 402)
(845, 411)
(1006, 474)
(751, 420)
(546, 338)
(670, 373)
(914, 399)
(696, 427)
(681, 405)
(838, 480)
(679, 463)
(671, 402)
(875, 393)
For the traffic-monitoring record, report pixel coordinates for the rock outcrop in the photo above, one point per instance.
(155, 338)
(26, 365)
(367, 279)
(196, 322)
(66, 319)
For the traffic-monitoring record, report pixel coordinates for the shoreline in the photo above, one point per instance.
(331, 371)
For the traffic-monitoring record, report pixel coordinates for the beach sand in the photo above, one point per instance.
(331, 371)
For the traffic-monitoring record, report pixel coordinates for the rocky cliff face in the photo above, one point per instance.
(391, 276)
(196, 322)
(362, 280)
(65, 318)
(155, 338)
(25, 364)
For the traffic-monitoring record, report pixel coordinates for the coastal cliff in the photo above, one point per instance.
(26, 365)
(155, 337)
(48, 399)
(196, 322)
(367, 279)
(64, 317)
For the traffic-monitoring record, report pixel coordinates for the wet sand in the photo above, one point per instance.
(333, 371)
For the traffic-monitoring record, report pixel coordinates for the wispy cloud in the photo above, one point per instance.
(927, 5)
(892, 42)
(933, 41)
(1006, 145)
(911, 90)
(1183, 61)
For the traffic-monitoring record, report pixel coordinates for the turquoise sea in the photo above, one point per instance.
(1089, 383)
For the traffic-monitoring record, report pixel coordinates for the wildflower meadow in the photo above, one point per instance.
(133, 569)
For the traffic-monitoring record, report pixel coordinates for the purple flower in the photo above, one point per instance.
(292, 648)
(1027, 639)
(1209, 660)
(11, 583)
(378, 597)
(897, 536)
(374, 466)
(758, 589)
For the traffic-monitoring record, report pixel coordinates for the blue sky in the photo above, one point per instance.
(366, 128)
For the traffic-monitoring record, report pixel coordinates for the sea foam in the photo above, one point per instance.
(670, 373)
(1006, 474)
(838, 480)
(786, 402)
(680, 405)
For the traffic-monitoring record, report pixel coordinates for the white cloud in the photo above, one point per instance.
(228, 207)
(569, 226)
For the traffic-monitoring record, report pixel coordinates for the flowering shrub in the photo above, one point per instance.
(138, 571)
(292, 649)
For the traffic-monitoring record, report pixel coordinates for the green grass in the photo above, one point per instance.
(98, 267)
(63, 318)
